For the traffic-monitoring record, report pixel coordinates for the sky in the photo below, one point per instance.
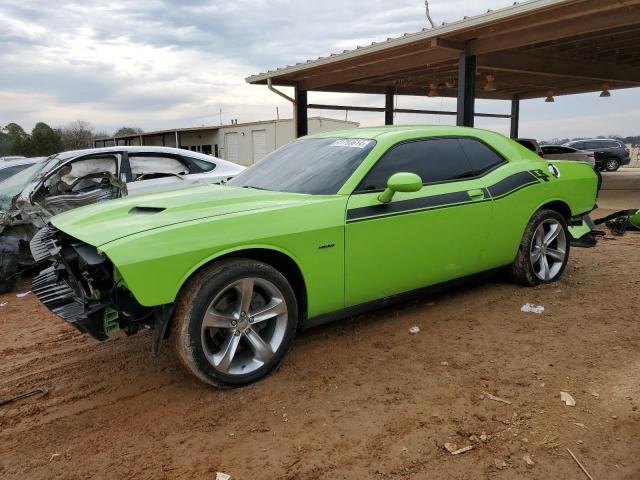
(160, 64)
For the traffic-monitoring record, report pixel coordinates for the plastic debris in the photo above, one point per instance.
(24, 294)
(3, 304)
(453, 449)
(496, 399)
(531, 308)
(567, 399)
(527, 460)
(53, 455)
(577, 424)
(415, 329)
(222, 476)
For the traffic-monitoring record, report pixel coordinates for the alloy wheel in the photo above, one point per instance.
(244, 326)
(611, 164)
(548, 249)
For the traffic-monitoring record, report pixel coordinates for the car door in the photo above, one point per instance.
(419, 238)
(82, 181)
(148, 172)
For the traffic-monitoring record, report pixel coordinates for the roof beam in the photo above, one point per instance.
(392, 64)
(559, 67)
(608, 20)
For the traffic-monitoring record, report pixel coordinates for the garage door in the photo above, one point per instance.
(259, 141)
(231, 145)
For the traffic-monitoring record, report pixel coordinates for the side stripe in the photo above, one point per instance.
(501, 189)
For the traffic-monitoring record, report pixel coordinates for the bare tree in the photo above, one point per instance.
(77, 135)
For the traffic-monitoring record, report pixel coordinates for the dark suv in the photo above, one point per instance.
(610, 154)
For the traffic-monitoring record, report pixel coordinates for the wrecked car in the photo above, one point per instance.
(82, 177)
(326, 227)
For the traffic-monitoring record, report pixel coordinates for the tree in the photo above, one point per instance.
(43, 141)
(77, 135)
(8, 136)
(124, 131)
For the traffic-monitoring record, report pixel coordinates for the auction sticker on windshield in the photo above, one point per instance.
(351, 143)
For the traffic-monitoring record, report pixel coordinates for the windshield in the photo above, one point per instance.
(311, 165)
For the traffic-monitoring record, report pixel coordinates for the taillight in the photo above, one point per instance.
(541, 154)
(590, 154)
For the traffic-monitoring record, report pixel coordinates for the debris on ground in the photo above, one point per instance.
(453, 449)
(413, 330)
(584, 470)
(527, 460)
(53, 455)
(531, 308)
(444, 364)
(577, 424)
(595, 394)
(3, 304)
(42, 391)
(222, 476)
(23, 294)
(567, 399)
(496, 399)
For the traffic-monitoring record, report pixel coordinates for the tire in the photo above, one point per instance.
(9, 271)
(611, 164)
(220, 337)
(554, 254)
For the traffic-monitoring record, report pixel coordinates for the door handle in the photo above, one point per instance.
(477, 194)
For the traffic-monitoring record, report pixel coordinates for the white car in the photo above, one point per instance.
(560, 152)
(72, 179)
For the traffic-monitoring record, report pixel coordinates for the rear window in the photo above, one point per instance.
(527, 144)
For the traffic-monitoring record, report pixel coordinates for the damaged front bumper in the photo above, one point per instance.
(79, 286)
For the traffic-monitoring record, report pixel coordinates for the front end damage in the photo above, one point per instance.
(82, 287)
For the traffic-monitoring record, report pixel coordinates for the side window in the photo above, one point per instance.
(436, 160)
(83, 174)
(150, 166)
(202, 165)
(481, 157)
(579, 145)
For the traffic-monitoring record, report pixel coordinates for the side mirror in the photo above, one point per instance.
(400, 182)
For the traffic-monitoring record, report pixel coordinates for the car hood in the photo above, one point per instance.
(105, 222)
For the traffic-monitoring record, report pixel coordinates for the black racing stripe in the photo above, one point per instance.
(506, 186)
(511, 183)
(406, 205)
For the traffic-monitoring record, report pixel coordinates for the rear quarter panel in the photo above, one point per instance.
(576, 187)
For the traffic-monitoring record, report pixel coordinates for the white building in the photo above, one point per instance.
(243, 143)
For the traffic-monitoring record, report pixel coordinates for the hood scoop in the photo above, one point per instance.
(146, 210)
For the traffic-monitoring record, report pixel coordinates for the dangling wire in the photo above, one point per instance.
(426, 6)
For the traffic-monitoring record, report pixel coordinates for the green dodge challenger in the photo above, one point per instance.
(323, 228)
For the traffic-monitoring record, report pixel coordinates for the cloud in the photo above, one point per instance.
(171, 63)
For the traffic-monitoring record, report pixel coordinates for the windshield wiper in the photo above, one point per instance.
(255, 188)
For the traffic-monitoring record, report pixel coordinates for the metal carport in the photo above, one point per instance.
(540, 48)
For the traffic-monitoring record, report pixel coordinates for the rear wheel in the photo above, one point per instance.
(234, 322)
(544, 250)
(611, 164)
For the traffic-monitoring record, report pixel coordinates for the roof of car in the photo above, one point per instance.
(147, 149)
(389, 131)
(595, 140)
(20, 161)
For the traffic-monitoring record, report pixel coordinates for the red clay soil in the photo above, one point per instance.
(357, 399)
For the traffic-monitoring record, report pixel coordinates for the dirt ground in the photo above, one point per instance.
(357, 399)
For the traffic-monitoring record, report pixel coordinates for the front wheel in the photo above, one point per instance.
(544, 250)
(234, 322)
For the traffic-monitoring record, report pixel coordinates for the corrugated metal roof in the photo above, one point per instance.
(426, 33)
